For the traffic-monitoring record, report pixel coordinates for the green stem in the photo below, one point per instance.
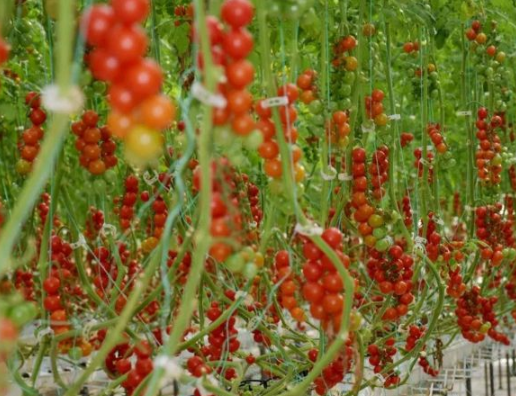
(52, 144)
(393, 146)
(202, 236)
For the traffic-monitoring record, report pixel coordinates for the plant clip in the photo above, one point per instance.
(150, 180)
(172, 369)
(69, 102)
(308, 229)
(329, 176)
(81, 242)
(204, 96)
(275, 102)
(463, 113)
(344, 177)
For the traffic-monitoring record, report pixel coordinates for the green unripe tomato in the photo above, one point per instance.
(316, 107)
(23, 314)
(235, 263)
(349, 78)
(375, 221)
(253, 140)
(345, 90)
(497, 160)
(99, 87)
(382, 245)
(250, 270)
(346, 104)
(380, 233)
(99, 186)
(110, 176)
(318, 120)
(276, 187)
(75, 353)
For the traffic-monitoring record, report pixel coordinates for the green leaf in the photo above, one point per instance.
(8, 111)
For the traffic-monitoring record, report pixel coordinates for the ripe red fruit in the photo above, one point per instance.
(237, 13)
(144, 79)
(131, 11)
(96, 22)
(240, 73)
(51, 285)
(37, 116)
(290, 91)
(127, 43)
(332, 236)
(103, 65)
(238, 43)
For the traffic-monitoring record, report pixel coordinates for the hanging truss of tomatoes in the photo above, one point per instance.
(238, 197)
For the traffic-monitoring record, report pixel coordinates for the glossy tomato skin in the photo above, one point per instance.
(127, 43)
(103, 65)
(144, 79)
(238, 43)
(131, 11)
(237, 13)
(97, 22)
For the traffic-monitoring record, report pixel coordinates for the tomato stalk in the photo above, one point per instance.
(393, 145)
(326, 148)
(342, 335)
(113, 336)
(52, 144)
(202, 237)
(423, 181)
(357, 104)
(469, 143)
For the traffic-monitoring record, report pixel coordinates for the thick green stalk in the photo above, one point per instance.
(202, 236)
(469, 143)
(393, 146)
(113, 336)
(52, 144)
(326, 153)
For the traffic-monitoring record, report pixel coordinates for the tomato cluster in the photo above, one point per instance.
(269, 150)
(306, 83)
(230, 50)
(334, 373)
(374, 108)
(379, 171)
(128, 201)
(95, 144)
(475, 316)
(341, 60)
(380, 357)
(223, 340)
(411, 47)
(494, 231)
(418, 163)
(324, 285)
(434, 131)
(406, 138)
(488, 158)
(393, 273)
(138, 111)
(288, 286)
(338, 128)
(29, 147)
(225, 211)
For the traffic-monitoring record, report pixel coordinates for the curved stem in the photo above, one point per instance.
(52, 144)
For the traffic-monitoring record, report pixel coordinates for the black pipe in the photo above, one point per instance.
(508, 372)
(469, 392)
(491, 378)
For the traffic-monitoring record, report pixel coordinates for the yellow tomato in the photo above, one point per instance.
(143, 145)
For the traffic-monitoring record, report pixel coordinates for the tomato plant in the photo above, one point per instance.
(246, 197)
